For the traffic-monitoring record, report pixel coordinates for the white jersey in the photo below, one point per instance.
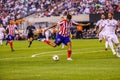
(2, 31)
(110, 26)
(99, 24)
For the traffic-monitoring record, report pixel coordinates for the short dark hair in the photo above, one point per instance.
(69, 16)
(111, 13)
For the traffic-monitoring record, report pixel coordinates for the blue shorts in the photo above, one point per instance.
(10, 37)
(60, 39)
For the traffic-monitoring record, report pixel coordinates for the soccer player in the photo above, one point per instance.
(110, 26)
(2, 31)
(47, 34)
(30, 30)
(63, 34)
(11, 33)
(101, 35)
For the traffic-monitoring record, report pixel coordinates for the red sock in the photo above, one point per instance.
(47, 41)
(69, 53)
(11, 44)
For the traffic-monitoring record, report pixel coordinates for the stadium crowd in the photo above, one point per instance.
(15, 9)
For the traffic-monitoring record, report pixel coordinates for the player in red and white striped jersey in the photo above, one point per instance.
(11, 33)
(63, 33)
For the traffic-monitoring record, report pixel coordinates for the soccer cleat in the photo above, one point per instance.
(100, 40)
(106, 49)
(41, 39)
(114, 53)
(117, 52)
(6, 43)
(12, 50)
(28, 46)
(69, 59)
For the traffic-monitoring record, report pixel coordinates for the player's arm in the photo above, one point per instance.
(54, 25)
(100, 29)
(83, 24)
(77, 24)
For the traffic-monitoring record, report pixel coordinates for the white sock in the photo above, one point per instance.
(106, 44)
(62, 45)
(111, 45)
(0, 42)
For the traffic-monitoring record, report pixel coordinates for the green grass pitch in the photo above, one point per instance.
(90, 62)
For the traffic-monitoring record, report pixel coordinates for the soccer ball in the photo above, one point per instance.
(55, 57)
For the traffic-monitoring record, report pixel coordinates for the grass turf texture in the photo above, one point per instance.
(90, 62)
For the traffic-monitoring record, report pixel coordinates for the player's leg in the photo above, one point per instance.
(100, 37)
(0, 39)
(69, 50)
(116, 41)
(10, 41)
(110, 42)
(69, 45)
(63, 45)
(30, 41)
(57, 41)
(106, 45)
(47, 36)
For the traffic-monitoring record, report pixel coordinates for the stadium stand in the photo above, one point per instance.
(15, 9)
(52, 10)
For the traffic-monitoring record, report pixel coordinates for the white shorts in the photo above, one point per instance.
(102, 36)
(1, 36)
(113, 37)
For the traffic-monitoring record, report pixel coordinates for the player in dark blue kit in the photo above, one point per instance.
(30, 30)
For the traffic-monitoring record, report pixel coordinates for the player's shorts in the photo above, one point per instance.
(9, 37)
(60, 39)
(1, 36)
(30, 35)
(102, 36)
(114, 38)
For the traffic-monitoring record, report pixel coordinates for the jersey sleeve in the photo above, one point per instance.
(60, 23)
(97, 24)
(116, 22)
(103, 24)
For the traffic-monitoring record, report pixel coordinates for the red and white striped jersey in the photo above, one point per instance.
(11, 29)
(64, 27)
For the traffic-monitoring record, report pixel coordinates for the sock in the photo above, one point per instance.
(69, 53)
(111, 45)
(106, 44)
(30, 43)
(6, 42)
(0, 42)
(47, 41)
(11, 44)
(62, 45)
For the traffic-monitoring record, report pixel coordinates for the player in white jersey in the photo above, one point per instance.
(101, 35)
(47, 34)
(110, 26)
(2, 31)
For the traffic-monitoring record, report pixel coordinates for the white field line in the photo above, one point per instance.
(43, 53)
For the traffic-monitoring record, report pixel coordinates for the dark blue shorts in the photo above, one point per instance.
(60, 39)
(30, 35)
(10, 37)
